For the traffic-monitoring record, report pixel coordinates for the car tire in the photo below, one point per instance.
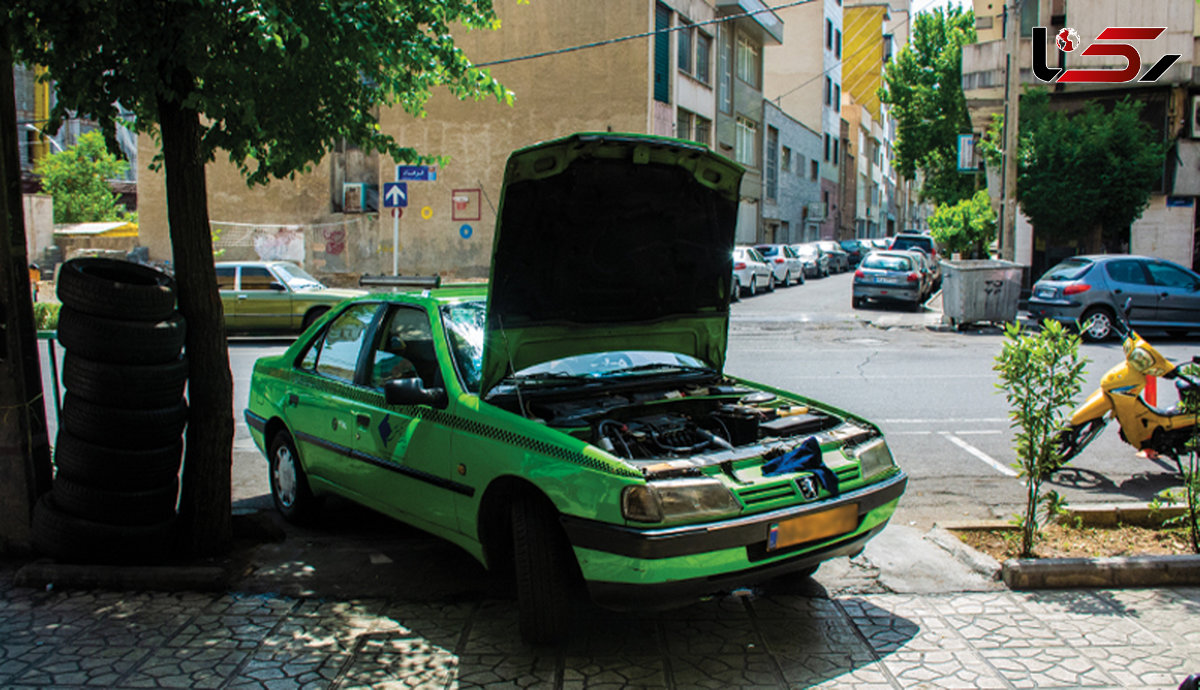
(753, 286)
(115, 468)
(856, 302)
(787, 279)
(542, 567)
(141, 386)
(311, 316)
(1096, 324)
(735, 294)
(771, 281)
(116, 506)
(289, 484)
(122, 428)
(72, 539)
(120, 341)
(115, 289)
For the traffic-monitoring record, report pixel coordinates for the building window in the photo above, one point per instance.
(816, 169)
(662, 54)
(683, 124)
(749, 63)
(725, 67)
(772, 191)
(685, 45)
(828, 91)
(746, 145)
(837, 43)
(785, 163)
(694, 51)
(703, 131)
(689, 125)
(835, 151)
(703, 57)
(826, 147)
(829, 33)
(837, 97)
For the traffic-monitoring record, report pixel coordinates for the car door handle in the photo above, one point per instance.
(363, 421)
(242, 297)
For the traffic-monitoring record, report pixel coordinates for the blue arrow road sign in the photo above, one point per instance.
(395, 194)
(415, 173)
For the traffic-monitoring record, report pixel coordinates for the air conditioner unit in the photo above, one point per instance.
(354, 197)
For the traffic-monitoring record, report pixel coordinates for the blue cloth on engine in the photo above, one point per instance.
(805, 457)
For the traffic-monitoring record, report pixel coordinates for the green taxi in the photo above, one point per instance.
(570, 424)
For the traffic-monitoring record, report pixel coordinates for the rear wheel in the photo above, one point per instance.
(544, 567)
(1096, 324)
(771, 282)
(289, 485)
(736, 293)
(787, 279)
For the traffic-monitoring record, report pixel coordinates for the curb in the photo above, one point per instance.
(1058, 573)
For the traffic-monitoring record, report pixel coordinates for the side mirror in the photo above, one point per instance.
(411, 391)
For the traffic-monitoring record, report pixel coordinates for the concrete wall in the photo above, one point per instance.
(1164, 231)
(39, 224)
(601, 89)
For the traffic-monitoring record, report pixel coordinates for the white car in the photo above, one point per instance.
(750, 272)
(785, 263)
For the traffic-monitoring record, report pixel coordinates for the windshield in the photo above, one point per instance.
(886, 262)
(464, 323)
(613, 363)
(922, 243)
(297, 278)
(1071, 269)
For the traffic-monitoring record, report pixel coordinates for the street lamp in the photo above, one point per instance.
(31, 128)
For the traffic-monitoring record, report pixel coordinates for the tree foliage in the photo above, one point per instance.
(276, 84)
(967, 227)
(77, 179)
(1105, 162)
(924, 87)
(1040, 374)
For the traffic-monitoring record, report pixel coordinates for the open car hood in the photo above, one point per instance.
(611, 242)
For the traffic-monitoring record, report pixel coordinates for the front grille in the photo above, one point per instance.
(758, 495)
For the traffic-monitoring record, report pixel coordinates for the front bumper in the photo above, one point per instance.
(662, 567)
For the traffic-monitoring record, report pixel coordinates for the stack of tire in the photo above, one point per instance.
(119, 446)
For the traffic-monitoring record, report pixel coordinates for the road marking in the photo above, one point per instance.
(979, 432)
(1003, 469)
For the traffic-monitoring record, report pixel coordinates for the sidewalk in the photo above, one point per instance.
(365, 602)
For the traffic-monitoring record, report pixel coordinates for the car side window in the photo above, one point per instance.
(225, 277)
(1126, 271)
(405, 349)
(1170, 276)
(338, 354)
(257, 278)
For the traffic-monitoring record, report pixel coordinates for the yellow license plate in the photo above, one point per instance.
(806, 528)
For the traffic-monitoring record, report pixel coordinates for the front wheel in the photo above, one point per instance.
(1072, 440)
(771, 282)
(543, 565)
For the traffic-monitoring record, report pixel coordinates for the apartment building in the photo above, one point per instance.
(791, 178)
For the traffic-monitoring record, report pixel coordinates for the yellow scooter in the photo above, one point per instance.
(1144, 426)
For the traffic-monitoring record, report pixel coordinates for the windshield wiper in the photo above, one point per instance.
(661, 366)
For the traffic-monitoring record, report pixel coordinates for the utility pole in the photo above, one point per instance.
(1012, 97)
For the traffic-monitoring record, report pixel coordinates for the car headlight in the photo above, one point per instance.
(1141, 360)
(674, 500)
(874, 458)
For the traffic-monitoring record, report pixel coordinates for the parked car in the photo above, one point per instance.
(888, 276)
(751, 272)
(924, 243)
(1088, 290)
(854, 250)
(273, 297)
(560, 426)
(925, 266)
(839, 260)
(816, 262)
(785, 263)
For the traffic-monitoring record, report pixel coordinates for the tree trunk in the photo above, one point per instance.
(205, 506)
(24, 441)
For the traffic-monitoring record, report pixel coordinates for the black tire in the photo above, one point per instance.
(544, 567)
(856, 302)
(787, 279)
(735, 294)
(116, 507)
(1072, 440)
(115, 289)
(753, 290)
(115, 468)
(141, 386)
(312, 315)
(1097, 324)
(121, 342)
(72, 539)
(121, 428)
(771, 281)
(289, 484)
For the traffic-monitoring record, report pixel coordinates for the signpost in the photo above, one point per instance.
(395, 197)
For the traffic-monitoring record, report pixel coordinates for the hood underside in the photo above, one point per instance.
(611, 242)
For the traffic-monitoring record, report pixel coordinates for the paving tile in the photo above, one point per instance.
(853, 671)
(615, 637)
(188, 667)
(499, 671)
(630, 672)
(82, 665)
(724, 671)
(1047, 667)
(771, 607)
(712, 637)
(940, 669)
(812, 636)
(18, 658)
(398, 662)
(284, 668)
(1145, 667)
(1011, 630)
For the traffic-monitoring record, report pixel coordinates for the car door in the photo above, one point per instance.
(1178, 292)
(403, 451)
(262, 302)
(227, 286)
(1127, 280)
(321, 402)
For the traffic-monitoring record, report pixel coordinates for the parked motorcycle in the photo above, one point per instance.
(1144, 426)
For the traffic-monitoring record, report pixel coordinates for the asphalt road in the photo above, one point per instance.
(931, 389)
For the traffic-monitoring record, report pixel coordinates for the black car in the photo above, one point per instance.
(855, 249)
